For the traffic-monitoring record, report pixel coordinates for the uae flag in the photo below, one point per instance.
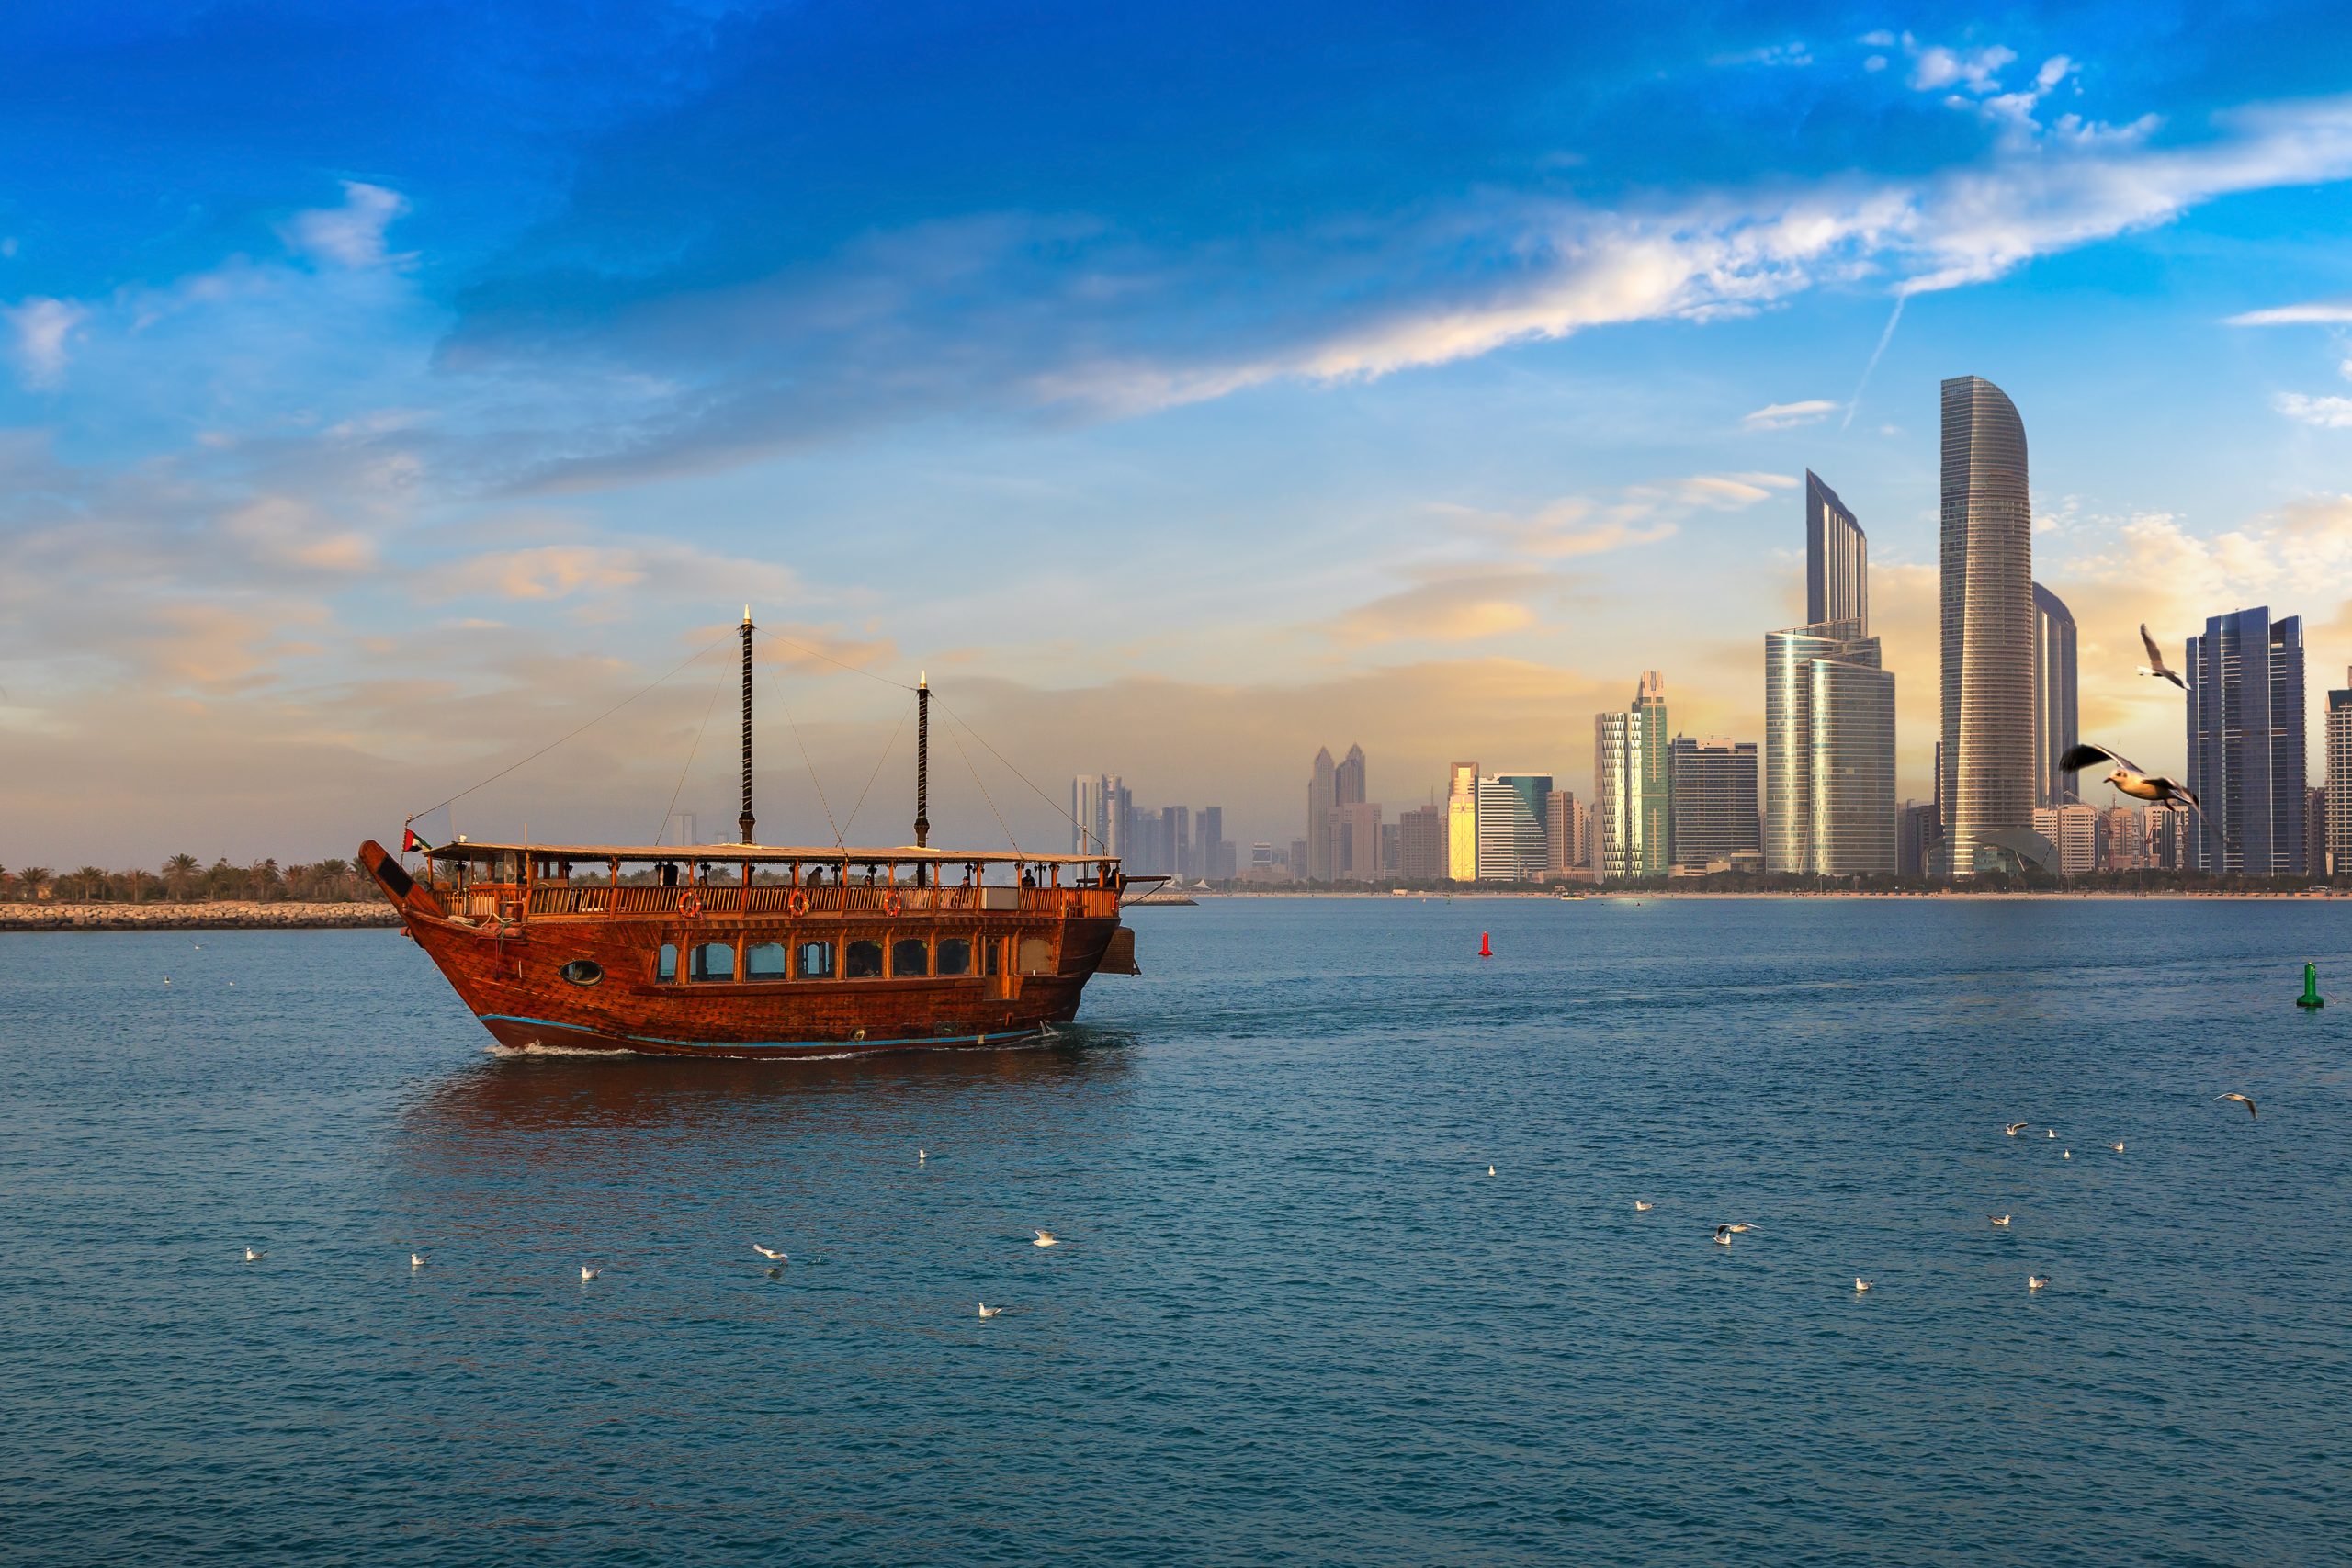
(413, 845)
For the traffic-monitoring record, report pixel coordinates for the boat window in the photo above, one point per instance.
(583, 971)
(909, 956)
(996, 954)
(816, 960)
(764, 962)
(955, 955)
(668, 969)
(713, 961)
(865, 961)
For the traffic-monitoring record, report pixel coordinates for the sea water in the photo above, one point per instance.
(1292, 1319)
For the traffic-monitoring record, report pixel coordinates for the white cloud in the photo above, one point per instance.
(42, 327)
(2328, 413)
(1875, 63)
(1978, 70)
(1783, 416)
(350, 235)
(1879, 39)
(2315, 312)
(2054, 69)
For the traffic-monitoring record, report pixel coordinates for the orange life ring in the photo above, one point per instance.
(691, 905)
(796, 903)
(891, 903)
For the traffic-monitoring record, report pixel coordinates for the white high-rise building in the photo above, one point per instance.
(2339, 781)
(1514, 841)
(1100, 806)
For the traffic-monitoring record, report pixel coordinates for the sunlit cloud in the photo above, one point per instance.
(350, 235)
(2326, 413)
(1787, 416)
(42, 329)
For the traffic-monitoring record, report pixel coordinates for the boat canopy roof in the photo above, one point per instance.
(736, 855)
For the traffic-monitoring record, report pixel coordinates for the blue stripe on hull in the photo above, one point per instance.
(574, 1029)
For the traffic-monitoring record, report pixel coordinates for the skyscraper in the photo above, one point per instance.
(1715, 800)
(1421, 843)
(1654, 775)
(1208, 843)
(1836, 558)
(2339, 779)
(2054, 730)
(1567, 832)
(1322, 793)
(1347, 779)
(1828, 754)
(1462, 823)
(1615, 822)
(1989, 766)
(1511, 838)
(1100, 807)
(2246, 743)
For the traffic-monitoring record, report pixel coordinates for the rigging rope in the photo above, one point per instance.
(983, 786)
(814, 783)
(888, 747)
(1085, 833)
(583, 728)
(670, 815)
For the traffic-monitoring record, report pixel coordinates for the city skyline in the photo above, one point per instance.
(351, 466)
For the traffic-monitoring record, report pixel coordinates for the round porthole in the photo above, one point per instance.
(583, 971)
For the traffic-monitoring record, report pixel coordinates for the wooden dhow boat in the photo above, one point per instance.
(750, 949)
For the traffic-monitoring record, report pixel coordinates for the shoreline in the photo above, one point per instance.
(233, 915)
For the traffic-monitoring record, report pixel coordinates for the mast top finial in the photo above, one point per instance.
(747, 614)
(923, 683)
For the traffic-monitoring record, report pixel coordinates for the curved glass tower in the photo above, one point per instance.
(1988, 770)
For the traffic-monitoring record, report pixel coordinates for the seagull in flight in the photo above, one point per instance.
(2156, 664)
(254, 1254)
(1724, 1232)
(2002, 1221)
(2013, 1128)
(2139, 784)
(2037, 1281)
(771, 1254)
(1640, 1207)
(2241, 1100)
(587, 1273)
(987, 1310)
(1046, 1238)
(1861, 1284)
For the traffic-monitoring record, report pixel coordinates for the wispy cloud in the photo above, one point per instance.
(2327, 413)
(1783, 416)
(352, 234)
(43, 328)
(2314, 312)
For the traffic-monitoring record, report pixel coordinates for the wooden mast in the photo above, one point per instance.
(743, 823)
(922, 762)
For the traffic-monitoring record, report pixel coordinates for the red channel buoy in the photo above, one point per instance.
(1486, 950)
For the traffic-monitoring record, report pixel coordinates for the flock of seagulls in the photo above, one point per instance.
(1723, 1232)
(774, 1254)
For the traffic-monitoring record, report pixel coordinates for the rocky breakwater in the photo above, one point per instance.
(239, 914)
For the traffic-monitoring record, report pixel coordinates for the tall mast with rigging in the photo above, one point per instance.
(922, 762)
(744, 822)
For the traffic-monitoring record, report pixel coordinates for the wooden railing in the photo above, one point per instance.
(832, 901)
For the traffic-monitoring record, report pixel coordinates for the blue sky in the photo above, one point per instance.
(390, 388)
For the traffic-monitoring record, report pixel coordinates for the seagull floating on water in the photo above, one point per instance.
(2002, 1221)
(2117, 1148)
(1861, 1284)
(1490, 1170)
(2036, 1281)
(2156, 664)
(1046, 1238)
(2013, 1128)
(987, 1310)
(2241, 1100)
(587, 1273)
(2050, 1132)
(416, 1260)
(254, 1254)
(921, 1154)
(1640, 1207)
(1724, 1232)
(771, 1254)
(2066, 1154)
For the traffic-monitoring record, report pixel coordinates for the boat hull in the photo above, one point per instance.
(1033, 967)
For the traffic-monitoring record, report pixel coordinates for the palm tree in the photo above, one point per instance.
(180, 873)
(32, 879)
(336, 875)
(92, 879)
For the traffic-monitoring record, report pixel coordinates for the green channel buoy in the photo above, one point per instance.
(2310, 996)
